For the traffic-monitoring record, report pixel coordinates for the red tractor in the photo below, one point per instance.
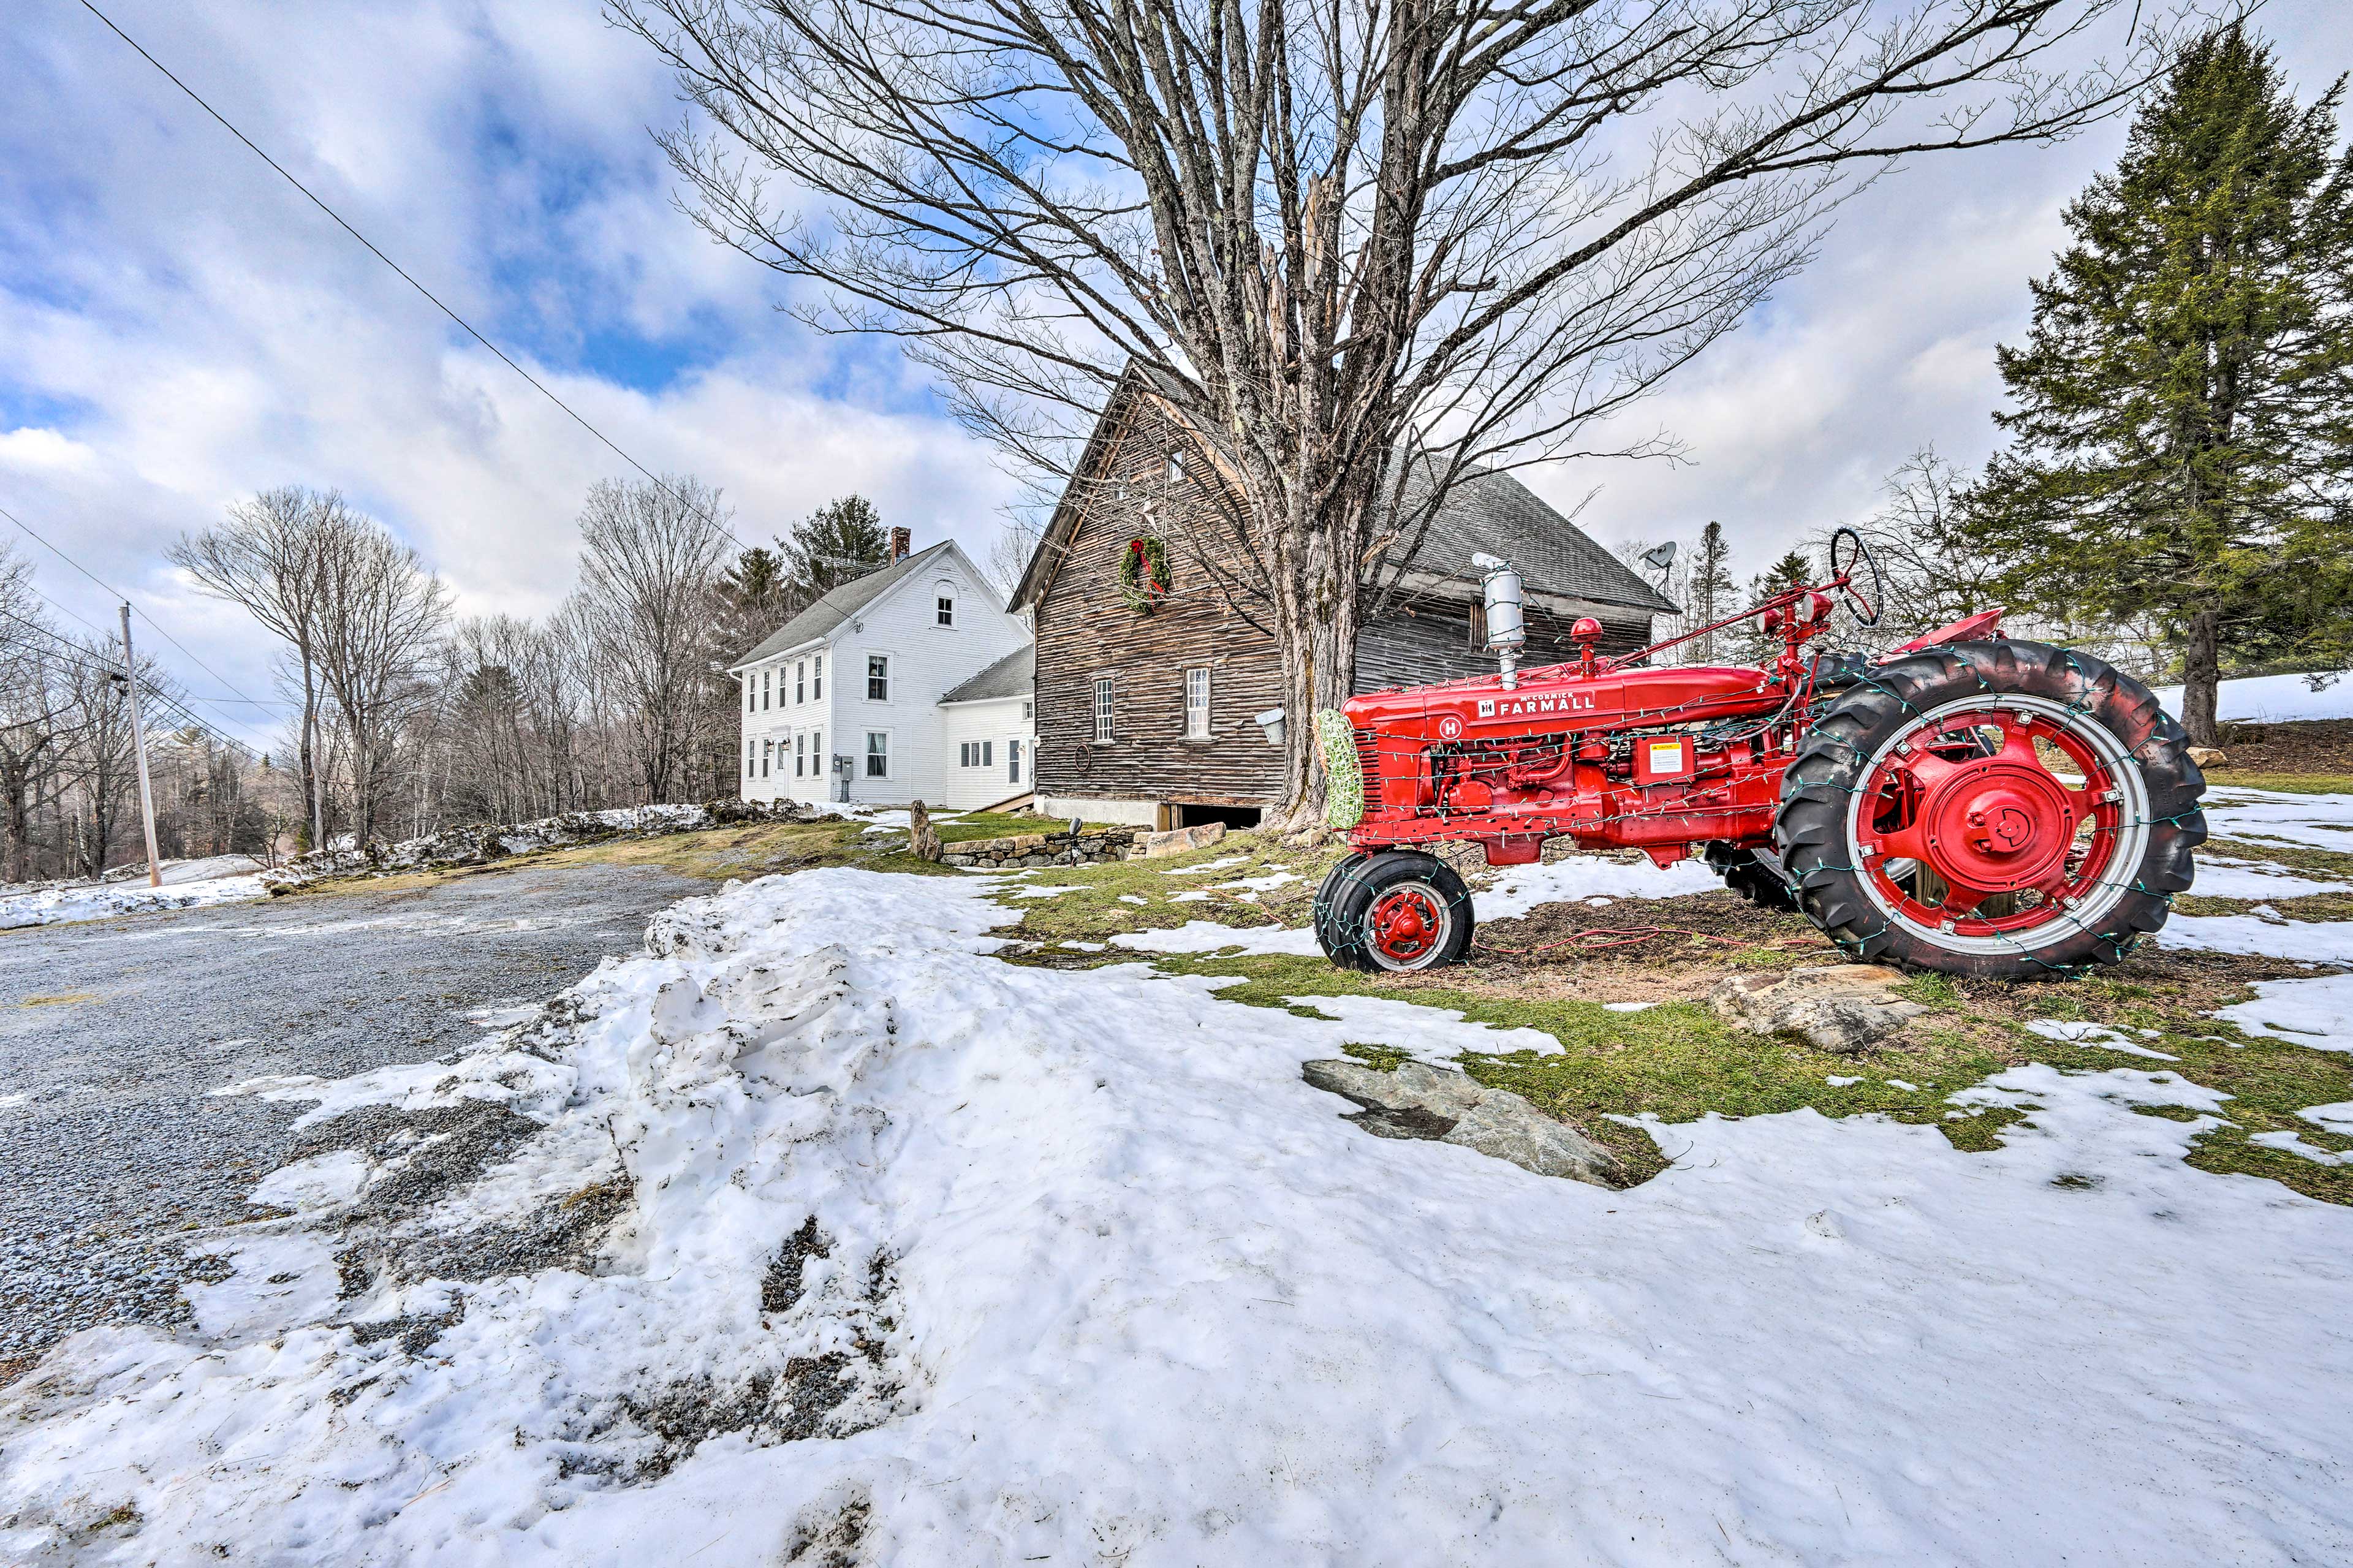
(1963, 803)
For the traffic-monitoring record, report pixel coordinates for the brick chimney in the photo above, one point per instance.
(903, 545)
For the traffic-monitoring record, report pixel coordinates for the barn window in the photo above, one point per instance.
(1479, 625)
(1103, 710)
(1197, 704)
(1175, 472)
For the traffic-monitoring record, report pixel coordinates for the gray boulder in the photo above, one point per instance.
(1421, 1101)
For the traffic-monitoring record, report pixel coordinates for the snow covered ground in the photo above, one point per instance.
(2274, 699)
(101, 900)
(1076, 1269)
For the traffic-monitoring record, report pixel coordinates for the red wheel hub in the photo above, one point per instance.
(1406, 923)
(1998, 826)
(1972, 800)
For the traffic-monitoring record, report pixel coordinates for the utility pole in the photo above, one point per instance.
(138, 744)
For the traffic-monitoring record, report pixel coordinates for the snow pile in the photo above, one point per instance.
(2275, 699)
(1072, 1266)
(2318, 1012)
(476, 845)
(102, 901)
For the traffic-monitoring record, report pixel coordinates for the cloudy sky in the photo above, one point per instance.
(179, 328)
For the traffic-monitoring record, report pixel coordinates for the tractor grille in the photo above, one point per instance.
(1368, 763)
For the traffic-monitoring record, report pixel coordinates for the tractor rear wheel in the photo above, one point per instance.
(2001, 810)
(1743, 874)
(1398, 911)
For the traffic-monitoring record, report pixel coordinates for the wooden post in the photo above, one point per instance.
(138, 744)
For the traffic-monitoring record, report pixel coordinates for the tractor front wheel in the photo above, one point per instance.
(2002, 810)
(1398, 910)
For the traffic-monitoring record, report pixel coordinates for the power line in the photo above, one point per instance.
(166, 701)
(435, 299)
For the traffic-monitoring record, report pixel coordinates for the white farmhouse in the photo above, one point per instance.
(843, 701)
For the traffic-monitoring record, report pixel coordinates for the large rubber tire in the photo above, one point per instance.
(1355, 934)
(1814, 829)
(1752, 881)
(1327, 936)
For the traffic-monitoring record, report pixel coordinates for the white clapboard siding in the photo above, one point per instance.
(926, 660)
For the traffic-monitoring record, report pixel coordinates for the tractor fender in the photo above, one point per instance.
(1983, 627)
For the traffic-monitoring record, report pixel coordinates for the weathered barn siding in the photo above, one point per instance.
(1428, 640)
(1086, 632)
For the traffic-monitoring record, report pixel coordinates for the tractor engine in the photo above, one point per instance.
(1647, 759)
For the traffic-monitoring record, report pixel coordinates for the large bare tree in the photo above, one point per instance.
(270, 557)
(1371, 247)
(380, 619)
(653, 554)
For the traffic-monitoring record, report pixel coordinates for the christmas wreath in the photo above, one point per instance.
(1143, 572)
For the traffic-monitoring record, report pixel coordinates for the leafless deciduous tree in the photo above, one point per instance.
(380, 615)
(269, 557)
(649, 569)
(1368, 247)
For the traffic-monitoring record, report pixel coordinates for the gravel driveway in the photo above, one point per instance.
(112, 1035)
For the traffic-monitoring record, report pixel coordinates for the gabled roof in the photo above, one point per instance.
(1486, 512)
(1015, 675)
(819, 619)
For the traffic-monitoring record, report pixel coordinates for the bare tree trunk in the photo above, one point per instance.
(2202, 678)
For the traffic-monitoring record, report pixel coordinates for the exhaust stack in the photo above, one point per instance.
(1507, 630)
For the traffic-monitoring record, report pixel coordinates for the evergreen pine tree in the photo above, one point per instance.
(2183, 428)
(754, 599)
(839, 540)
(1712, 589)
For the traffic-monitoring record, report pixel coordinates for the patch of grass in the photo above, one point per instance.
(2287, 784)
(1097, 908)
(2279, 852)
(1002, 825)
(2314, 907)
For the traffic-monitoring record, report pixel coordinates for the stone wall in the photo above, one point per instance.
(1042, 849)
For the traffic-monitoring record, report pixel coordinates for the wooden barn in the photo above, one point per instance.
(1148, 716)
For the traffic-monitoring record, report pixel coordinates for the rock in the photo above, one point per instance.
(1421, 1101)
(922, 838)
(1176, 841)
(2209, 756)
(1839, 1008)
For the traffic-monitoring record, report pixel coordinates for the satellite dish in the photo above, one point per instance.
(1661, 558)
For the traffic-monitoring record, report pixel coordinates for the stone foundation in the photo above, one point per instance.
(1093, 849)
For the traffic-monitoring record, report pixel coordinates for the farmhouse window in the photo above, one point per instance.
(1013, 761)
(878, 753)
(878, 679)
(817, 754)
(1197, 704)
(1104, 732)
(764, 688)
(1028, 712)
(947, 610)
(963, 754)
(751, 696)
(817, 684)
(800, 756)
(751, 766)
(800, 682)
(766, 749)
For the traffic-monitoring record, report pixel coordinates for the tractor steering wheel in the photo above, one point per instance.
(1847, 552)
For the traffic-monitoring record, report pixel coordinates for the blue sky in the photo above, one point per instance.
(179, 328)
